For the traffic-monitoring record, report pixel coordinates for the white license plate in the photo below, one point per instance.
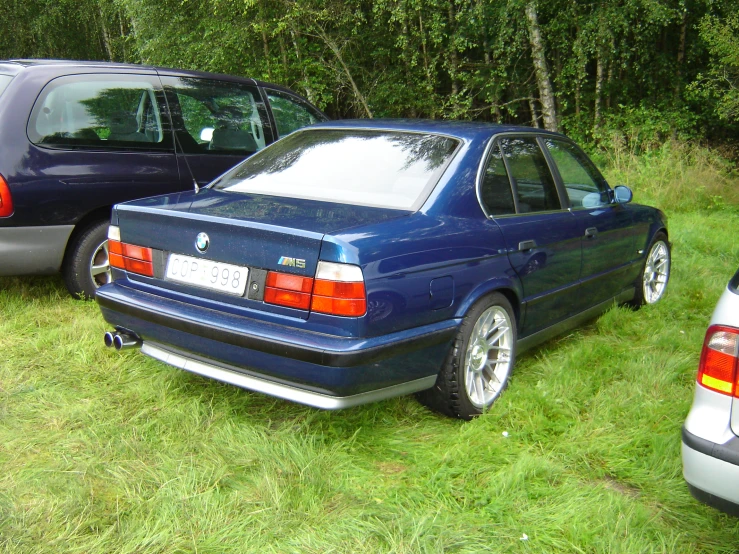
(227, 278)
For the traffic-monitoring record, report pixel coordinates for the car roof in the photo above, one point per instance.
(16, 65)
(468, 130)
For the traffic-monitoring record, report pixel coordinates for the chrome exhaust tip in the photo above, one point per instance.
(108, 338)
(123, 340)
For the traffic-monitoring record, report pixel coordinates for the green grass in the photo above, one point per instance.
(106, 452)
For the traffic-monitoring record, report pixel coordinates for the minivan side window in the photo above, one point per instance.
(217, 117)
(101, 112)
(290, 113)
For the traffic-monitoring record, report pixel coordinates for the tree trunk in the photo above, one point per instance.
(546, 93)
(308, 91)
(453, 58)
(337, 52)
(600, 73)
(681, 52)
(534, 115)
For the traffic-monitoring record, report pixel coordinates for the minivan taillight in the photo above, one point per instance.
(719, 366)
(6, 201)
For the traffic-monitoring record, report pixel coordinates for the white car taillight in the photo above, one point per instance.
(718, 368)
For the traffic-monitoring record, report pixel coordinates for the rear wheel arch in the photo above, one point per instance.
(88, 220)
(507, 289)
(85, 265)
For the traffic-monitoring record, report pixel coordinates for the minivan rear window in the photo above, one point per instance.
(384, 169)
(4, 82)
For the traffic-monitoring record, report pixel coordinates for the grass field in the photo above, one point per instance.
(105, 452)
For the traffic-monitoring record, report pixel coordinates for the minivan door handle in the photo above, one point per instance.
(591, 232)
(526, 245)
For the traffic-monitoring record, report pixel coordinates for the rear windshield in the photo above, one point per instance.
(370, 168)
(4, 82)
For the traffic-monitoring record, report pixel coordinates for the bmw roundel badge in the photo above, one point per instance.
(202, 241)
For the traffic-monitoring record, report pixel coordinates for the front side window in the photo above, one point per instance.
(583, 184)
(118, 112)
(532, 181)
(290, 113)
(370, 168)
(217, 117)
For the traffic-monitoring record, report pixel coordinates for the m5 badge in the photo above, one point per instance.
(292, 262)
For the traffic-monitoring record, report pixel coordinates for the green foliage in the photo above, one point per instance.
(614, 65)
(721, 80)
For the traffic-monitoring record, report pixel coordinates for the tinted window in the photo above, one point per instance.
(495, 190)
(290, 113)
(371, 168)
(4, 82)
(100, 112)
(583, 184)
(217, 117)
(532, 180)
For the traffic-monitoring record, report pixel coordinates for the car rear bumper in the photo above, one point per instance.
(712, 471)
(311, 368)
(33, 250)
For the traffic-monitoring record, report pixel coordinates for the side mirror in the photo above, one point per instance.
(622, 194)
(206, 135)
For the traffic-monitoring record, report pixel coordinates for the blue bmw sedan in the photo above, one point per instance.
(359, 260)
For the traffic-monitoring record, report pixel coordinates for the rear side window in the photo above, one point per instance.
(217, 117)
(368, 168)
(495, 189)
(4, 82)
(102, 112)
(530, 175)
(290, 113)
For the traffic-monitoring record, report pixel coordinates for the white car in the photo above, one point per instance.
(710, 442)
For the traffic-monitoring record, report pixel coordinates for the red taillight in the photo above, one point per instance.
(288, 290)
(136, 259)
(719, 365)
(6, 201)
(338, 289)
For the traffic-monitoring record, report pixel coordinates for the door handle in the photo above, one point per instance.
(591, 232)
(526, 245)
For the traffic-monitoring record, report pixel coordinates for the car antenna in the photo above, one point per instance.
(179, 144)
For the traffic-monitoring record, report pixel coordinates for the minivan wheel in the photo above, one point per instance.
(480, 361)
(87, 267)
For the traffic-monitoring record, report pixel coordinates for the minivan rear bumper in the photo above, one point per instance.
(311, 368)
(33, 250)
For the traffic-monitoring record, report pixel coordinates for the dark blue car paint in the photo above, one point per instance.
(73, 187)
(422, 270)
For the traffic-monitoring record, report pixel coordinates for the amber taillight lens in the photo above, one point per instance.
(719, 365)
(129, 257)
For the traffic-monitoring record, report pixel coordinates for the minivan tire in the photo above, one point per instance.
(86, 267)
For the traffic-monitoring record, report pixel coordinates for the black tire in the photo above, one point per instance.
(647, 289)
(91, 242)
(451, 394)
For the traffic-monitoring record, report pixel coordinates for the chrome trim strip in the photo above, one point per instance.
(280, 390)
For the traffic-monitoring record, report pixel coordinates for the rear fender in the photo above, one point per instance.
(510, 288)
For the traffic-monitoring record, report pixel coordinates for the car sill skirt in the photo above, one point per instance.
(301, 396)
